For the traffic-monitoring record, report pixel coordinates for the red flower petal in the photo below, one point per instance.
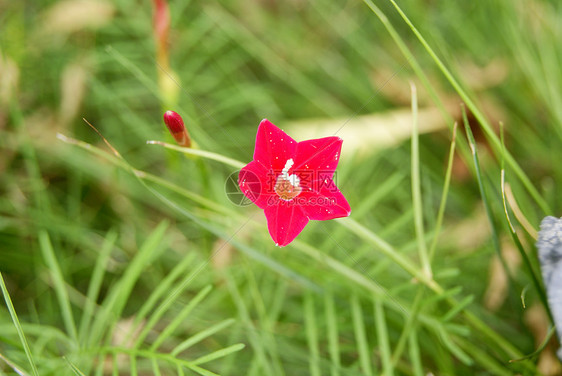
(321, 154)
(256, 182)
(327, 203)
(273, 146)
(285, 221)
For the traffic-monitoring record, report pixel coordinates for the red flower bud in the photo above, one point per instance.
(174, 122)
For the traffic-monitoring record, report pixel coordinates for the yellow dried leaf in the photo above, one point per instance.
(365, 133)
(73, 15)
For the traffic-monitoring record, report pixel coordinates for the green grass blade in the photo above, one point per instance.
(416, 187)
(163, 287)
(59, 284)
(485, 201)
(458, 308)
(415, 357)
(444, 194)
(17, 324)
(453, 347)
(311, 328)
(492, 365)
(196, 338)
(410, 326)
(167, 303)
(266, 324)
(383, 340)
(201, 153)
(528, 264)
(261, 361)
(112, 307)
(363, 349)
(95, 284)
(74, 369)
(181, 316)
(332, 333)
(219, 354)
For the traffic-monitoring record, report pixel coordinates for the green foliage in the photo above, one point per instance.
(128, 258)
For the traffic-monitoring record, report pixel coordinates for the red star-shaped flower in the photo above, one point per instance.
(292, 181)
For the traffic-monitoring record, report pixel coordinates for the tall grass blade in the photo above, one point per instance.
(415, 356)
(59, 284)
(383, 340)
(532, 270)
(311, 327)
(416, 186)
(261, 363)
(444, 194)
(332, 333)
(95, 284)
(17, 325)
(487, 206)
(114, 303)
(363, 349)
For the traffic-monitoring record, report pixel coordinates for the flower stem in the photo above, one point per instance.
(201, 153)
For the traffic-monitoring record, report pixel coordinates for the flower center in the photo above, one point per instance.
(287, 186)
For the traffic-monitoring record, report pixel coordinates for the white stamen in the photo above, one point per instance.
(293, 179)
(288, 165)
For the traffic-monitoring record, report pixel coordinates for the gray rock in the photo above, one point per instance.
(549, 246)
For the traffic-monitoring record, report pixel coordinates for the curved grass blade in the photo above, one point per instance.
(528, 264)
(17, 324)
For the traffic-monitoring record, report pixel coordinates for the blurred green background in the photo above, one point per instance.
(112, 271)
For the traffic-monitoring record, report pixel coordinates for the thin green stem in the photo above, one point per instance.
(201, 153)
(416, 187)
(444, 195)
